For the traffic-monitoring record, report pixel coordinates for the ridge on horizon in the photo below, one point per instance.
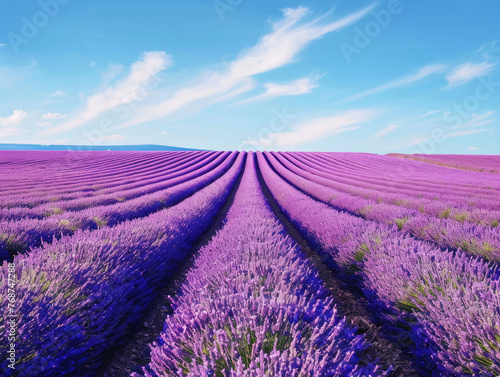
(55, 147)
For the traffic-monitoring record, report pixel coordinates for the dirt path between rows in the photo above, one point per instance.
(134, 352)
(350, 301)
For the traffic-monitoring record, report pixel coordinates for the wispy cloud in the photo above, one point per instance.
(420, 75)
(43, 124)
(13, 120)
(301, 86)
(465, 133)
(320, 128)
(464, 73)
(10, 131)
(479, 120)
(276, 49)
(425, 115)
(108, 138)
(57, 93)
(3, 44)
(53, 116)
(473, 148)
(125, 91)
(385, 131)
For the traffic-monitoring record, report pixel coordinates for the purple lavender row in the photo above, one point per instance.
(252, 305)
(421, 176)
(148, 186)
(90, 168)
(79, 295)
(419, 173)
(445, 304)
(481, 163)
(19, 236)
(473, 207)
(121, 184)
(466, 184)
(46, 190)
(436, 207)
(476, 240)
(70, 162)
(390, 176)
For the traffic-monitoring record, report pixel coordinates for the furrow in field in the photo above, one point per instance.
(134, 352)
(79, 296)
(476, 240)
(19, 236)
(120, 184)
(253, 305)
(416, 199)
(350, 301)
(487, 164)
(425, 183)
(89, 183)
(443, 304)
(161, 181)
(59, 170)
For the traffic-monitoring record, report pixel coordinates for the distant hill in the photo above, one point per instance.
(37, 147)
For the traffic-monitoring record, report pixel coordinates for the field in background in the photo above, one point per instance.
(278, 264)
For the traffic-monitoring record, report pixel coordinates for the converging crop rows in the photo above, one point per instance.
(279, 249)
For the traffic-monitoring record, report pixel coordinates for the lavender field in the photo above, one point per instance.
(201, 263)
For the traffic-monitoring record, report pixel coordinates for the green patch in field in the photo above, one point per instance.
(407, 306)
(100, 222)
(361, 251)
(462, 216)
(365, 210)
(445, 214)
(483, 361)
(483, 249)
(401, 222)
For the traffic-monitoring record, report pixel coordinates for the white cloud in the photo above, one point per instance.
(92, 63)
(319, 128)
(125, 91)
(473, 148)
(421, 74)
(465, 133)
(297, 87)
(464, 73)
(163, 132)
(479, 119)
(427, 114)
(53, 116)
(107, 138)
(57, 93)
(9, 131)
(3, 44)
(13, 120)
(43, 124)
(276, 49)
(385, 131)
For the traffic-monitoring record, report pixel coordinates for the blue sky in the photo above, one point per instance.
(388, 76)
